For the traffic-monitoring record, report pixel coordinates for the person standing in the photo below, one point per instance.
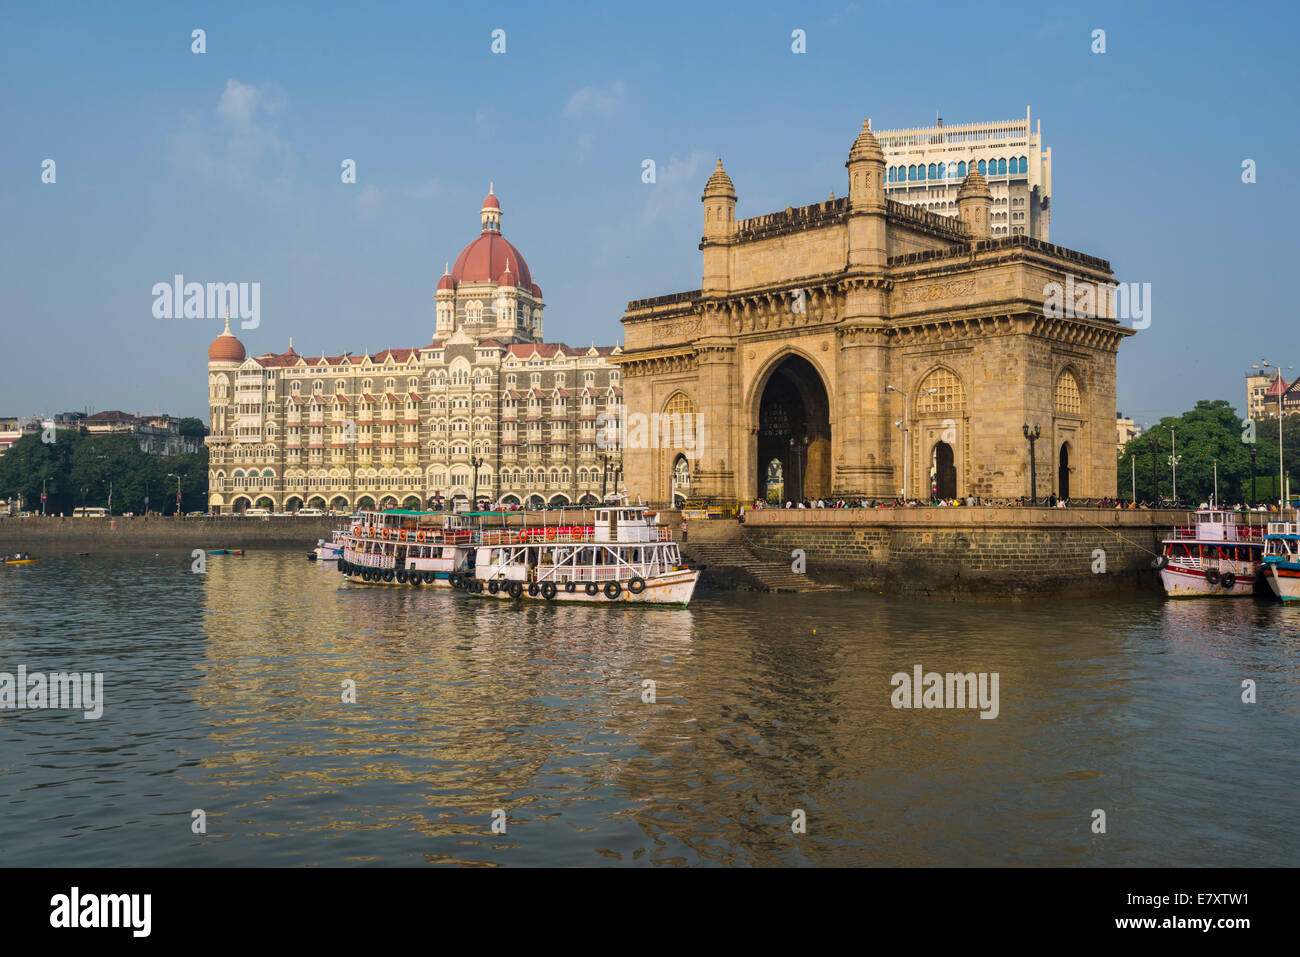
(683, 529)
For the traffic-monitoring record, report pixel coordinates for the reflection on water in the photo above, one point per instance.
(224, 692)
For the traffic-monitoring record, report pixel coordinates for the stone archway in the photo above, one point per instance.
(792, 417)
(943, 470)
(680, 481)
(1063, 472)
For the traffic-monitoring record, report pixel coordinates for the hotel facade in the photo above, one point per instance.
(486, 408)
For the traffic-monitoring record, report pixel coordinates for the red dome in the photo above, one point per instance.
(484, 260)
(226, 348)
(491, 202)
(446, 282)
(537, 291)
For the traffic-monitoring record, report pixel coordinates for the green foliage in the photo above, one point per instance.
(192, 426)
(79, 467)
(1210, 431)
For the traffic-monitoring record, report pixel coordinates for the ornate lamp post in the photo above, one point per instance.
(477, 463)
(906, 426)
(797, 445)
(1032, 436)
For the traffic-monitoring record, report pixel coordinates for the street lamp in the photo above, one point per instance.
(1032, 436)
(477, 463)
(1154, 443)
(1173, 461)
(796, 447)
(1264, 364)
(178, 491)
(907, 431)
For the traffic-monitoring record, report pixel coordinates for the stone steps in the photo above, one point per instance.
(770, 576)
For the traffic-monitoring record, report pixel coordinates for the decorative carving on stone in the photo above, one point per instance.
(930, 291)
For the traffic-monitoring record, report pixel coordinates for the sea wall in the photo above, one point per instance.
(33, 534)
(977, 551)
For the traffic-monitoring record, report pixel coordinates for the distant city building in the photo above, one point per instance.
(155, 434)
(11, 430)
(1126, 430)
(406, 426)
(926, 166)
(1262, 390)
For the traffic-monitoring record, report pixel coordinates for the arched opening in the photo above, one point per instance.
(510, 499)
(1063, 472)
(559, 500)
(943, 471)
(316, 502)
(339, 504)
(240, 503)
(388, 501)
(412, 502)
(588, 499)
(681, 482)
(265, 502)
(774, 487)
(293, 503)
(794, 428)
(535, 501)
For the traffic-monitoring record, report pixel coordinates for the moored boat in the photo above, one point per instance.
(330, 551)
(1281, 563)
(1215, 557)
(622, 555)
(405, 547)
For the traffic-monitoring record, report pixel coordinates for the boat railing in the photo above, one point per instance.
(1284, 528)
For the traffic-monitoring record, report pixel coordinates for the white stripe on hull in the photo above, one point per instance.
(1285, 587)
(1192, 584)
(675, 588)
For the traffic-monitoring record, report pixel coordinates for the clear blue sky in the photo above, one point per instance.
(225, 166)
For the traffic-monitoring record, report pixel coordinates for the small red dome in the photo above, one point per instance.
(446, 282)
(537, 291)
(226, 348)
(491, 202)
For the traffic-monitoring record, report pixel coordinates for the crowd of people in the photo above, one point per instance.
(971, 501)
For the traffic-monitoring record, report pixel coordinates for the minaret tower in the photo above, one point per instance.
(719, 228)
(445, 305)
(490, 214)
(974, 201)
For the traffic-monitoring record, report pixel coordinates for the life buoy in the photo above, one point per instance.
(613, 590)
(493, 587)
(356, 529)
(592, 588)
(1227, 579)
(637, 585)
(532, 589)
(1160, 561)
(419, 536)
(401, 534)
(570, 587)
(548, 590)
(386, 531)
(514, 589)
(550, 534)
(1212, 576)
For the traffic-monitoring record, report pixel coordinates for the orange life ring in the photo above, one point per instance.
(386, 535)
(419, 536)
(550, 533)
(402, 534)
(356, 529)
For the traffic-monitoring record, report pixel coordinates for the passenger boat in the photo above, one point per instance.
(1216, 557)
(621, 556)
(330, 551)
(21, 558)
(1281, 568)
(400, 546)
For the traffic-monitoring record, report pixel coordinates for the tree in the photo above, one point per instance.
(192, 426)
(1210, 431)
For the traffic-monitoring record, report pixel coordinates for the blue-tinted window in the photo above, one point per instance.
(983, 168)
(961, 170)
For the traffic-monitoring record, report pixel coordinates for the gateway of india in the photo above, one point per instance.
(864, 347)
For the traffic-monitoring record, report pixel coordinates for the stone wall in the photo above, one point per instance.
(978, 551)
(33, 534)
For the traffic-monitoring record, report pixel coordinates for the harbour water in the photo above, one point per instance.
(223, 692)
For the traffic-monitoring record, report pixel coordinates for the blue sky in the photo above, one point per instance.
(225, 166)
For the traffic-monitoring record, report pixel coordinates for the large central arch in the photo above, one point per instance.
(792, 421)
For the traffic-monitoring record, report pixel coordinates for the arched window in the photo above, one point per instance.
(920, 172)
(934, 173)
(1065, 398)
(1002, 167)
(949, 395)
(911, 173)
(1024, 165)
(961, 170)
(982, 168)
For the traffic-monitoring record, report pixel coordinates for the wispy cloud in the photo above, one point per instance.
(678, 184)
(839, 15)
(431, 188)
(243, 145)
(596, 99)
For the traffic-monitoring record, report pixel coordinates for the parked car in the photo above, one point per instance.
(310, 511)
(257, 512)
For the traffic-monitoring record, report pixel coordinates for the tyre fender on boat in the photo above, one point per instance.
(388, 575)
(570, 587)
(1160, 562)
(592, 588)
(548, 590)
(514, 589)
(401, 576)
(637, 585)
(1227, 579)
(613, 590)
(532, 589)
(1212, 576)
(454, 580)
(416, 579)
(493, 587)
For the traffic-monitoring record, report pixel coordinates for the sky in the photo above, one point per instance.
(225, 166)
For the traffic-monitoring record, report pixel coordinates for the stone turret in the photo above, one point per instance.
(974, 200)
(866, 166)
(719, 228)
(445, 306)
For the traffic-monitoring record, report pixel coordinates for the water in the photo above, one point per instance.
(223, 693)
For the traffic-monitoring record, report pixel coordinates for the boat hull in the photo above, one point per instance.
(1191, 583)
(670, 588)
(1283, 579)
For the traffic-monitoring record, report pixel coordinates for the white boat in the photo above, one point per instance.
(1281, 566)
(1215, 557)
(404, 547)
(619, 555)
(332, 550)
